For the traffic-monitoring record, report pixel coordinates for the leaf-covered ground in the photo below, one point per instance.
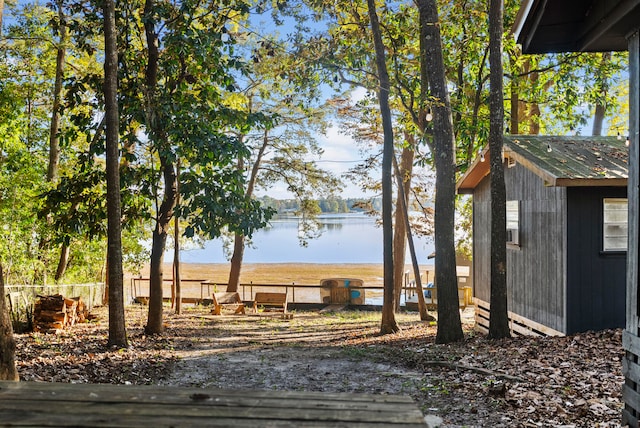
(526, 382)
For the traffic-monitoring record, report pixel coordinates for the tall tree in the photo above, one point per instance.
(499, 320)
(188, 67)
(156, 123)
(53, 168)
(449, 325)
(285, 148)
(117, 329)
(389, 324)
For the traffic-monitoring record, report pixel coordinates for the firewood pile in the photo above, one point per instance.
(56, 312)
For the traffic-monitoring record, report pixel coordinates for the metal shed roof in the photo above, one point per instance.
(559, 161)
(575, 25)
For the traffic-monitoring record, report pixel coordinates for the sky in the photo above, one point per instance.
(340, 154)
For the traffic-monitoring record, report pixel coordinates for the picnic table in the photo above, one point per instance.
(106, 405)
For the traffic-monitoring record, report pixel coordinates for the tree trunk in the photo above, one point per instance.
(54, 129)
(449, 324)
(403, 208)
(8, 369)
(158, 245)
(400, 226)
(117, 329)
(601, 109)
(1, 15)
(533, 110)
(54, 138)
(498, 318)
(236, 263)
(514, 117)
(62, 262)
(598, 119)
(238, 240)
(389, 324)
(176, 249)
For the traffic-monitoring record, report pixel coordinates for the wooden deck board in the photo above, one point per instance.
(103, 405)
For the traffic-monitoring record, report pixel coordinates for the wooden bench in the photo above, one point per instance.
(106, 405)
(273, 301)
(226, 299)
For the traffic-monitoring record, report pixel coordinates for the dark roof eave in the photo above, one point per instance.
(546, 26)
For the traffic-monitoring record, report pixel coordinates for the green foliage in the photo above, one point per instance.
(463, 226)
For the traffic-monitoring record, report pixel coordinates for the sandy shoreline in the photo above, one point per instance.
(286, 273)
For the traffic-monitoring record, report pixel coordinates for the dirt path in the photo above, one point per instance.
(267, 352)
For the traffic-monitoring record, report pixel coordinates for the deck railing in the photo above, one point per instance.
(198, 290)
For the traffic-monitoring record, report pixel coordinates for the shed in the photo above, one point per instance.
(602, 25)
(566, 220)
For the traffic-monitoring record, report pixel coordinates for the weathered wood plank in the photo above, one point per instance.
(133, 420)
(630, 397)
(631, 370)
(154, 393)
(187, 410)
(46, 404)
(633, 184)
(518, 324)
(628, 419)
(631, 342)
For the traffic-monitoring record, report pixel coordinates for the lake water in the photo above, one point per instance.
(346, 238)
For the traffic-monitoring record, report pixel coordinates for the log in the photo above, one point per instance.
(82, 313)
(52, 316)
(52, 303)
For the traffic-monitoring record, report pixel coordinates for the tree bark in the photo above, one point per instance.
(402, 207)
(1, 15)
(8, 369)
(63, 261)
(158, 245)
(117, 329)
(449, 324)
(238, 239)
(498, 318)
(403, 178)
(601, 108)
(176, 248)
(514, 117)
(236, 263)
(54, 129)
(389, 324)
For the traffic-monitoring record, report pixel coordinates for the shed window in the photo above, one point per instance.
(513, 223)
(614, 236)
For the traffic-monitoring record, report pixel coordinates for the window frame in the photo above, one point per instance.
(513, 222)
(620, 224)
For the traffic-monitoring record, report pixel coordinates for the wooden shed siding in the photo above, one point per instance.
(535, 270)
(481, 240)
(595, 280)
